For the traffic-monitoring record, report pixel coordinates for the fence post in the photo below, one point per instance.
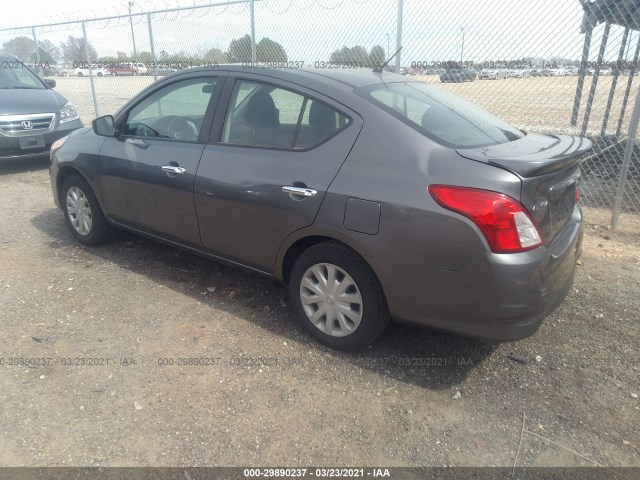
(399, 36)
(153, 52)
(596, 75)
(88, 60)
(582, 72)
(626, 161)
(252, 19)
(35, 42)
(614, 82)
(634, 67)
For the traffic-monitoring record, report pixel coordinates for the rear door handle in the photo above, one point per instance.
(299, 191)
(172, 169)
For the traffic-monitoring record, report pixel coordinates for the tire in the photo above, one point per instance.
(80, 74)
(363, 287)
(99, 74)
(98, 230)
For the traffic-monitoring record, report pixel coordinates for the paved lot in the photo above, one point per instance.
(270, 396)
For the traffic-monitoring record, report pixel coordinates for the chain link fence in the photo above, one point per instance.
(545, 66)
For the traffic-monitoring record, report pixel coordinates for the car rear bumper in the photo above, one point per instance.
(10, 146)
(500, 297)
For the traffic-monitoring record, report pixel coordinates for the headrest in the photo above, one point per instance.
(261, 111)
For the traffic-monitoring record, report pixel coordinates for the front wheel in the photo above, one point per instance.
(337, 297)
(83, 213)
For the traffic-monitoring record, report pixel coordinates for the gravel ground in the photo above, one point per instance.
(270, 396)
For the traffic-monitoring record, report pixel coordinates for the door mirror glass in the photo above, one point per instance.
(103, 126)
(51, 82)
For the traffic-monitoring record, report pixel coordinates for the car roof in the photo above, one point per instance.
(335, 76)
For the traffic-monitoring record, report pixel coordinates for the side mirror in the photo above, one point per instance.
(51, 82)
(103, 126)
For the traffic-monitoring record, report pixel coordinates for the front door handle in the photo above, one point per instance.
(137, 142)
(172, 169)
(299, 191)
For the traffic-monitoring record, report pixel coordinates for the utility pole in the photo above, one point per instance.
(133, 37)
(399, 36)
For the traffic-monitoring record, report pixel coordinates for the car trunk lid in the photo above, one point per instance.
(549, 168)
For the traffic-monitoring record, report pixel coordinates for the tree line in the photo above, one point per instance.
(74, 50)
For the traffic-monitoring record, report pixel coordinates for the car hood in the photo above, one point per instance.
(23, 101)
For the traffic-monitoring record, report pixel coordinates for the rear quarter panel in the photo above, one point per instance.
(393, 165)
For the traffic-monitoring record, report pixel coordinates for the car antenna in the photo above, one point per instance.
(382, 67)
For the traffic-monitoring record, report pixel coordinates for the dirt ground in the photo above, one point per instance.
(98, 322)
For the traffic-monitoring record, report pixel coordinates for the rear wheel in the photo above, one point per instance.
(83, 213)
(337, 297)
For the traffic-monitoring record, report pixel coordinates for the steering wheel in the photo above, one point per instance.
(181, 128)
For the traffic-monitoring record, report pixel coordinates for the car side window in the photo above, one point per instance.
(174, 112)
(413, 110)
(265, 115)
(319, 122)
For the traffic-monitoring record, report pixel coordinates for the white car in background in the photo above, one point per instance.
(558, 72)
(142, 69)
(96, 71)
(521, 72)
(492, 74)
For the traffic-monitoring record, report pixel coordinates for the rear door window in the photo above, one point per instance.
(319, 123)
(265, 115)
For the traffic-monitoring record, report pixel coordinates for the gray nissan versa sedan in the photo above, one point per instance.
(32, 114)
(372, 196)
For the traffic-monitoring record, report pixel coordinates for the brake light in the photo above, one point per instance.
(503, 221)
(577, 195)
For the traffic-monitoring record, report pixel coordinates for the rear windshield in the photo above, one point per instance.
(440, 115)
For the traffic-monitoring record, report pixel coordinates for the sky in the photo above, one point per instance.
(310, 30)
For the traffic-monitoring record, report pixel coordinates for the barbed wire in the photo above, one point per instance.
(336, 6)
(267, 5)
(138, 12)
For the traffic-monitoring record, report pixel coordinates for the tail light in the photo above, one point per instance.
(577, 194)
(503, 221)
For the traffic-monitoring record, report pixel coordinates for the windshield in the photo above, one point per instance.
(440, 115)
(15, 75)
